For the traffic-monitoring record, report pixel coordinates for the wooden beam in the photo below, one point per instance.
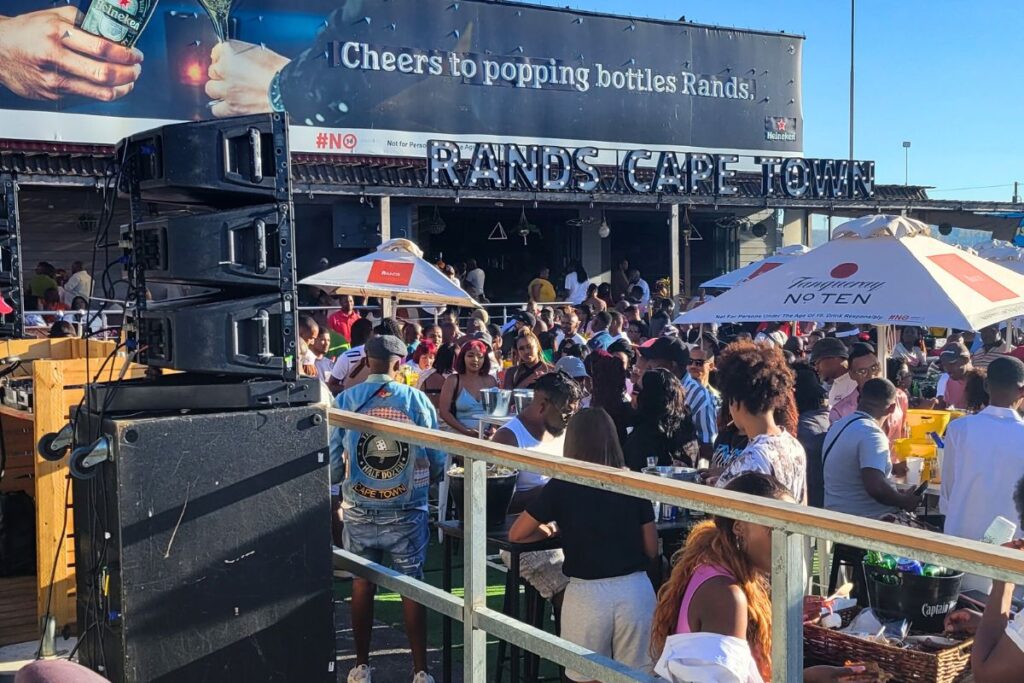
(53, 494)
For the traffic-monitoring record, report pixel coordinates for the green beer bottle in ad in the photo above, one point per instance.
(119, 21)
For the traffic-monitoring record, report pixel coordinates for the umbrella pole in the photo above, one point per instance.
(883, 346)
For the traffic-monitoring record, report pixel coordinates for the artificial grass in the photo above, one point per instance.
(388, 609)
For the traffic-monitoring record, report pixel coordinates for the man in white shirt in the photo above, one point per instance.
(636, 281)
(998, 653)
(353, 362)
(984, 458)
(616, 327)
(569, 329)
(829, 359)
(541, 428)
(78, 284)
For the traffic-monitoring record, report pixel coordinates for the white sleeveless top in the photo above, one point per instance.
(525, 440)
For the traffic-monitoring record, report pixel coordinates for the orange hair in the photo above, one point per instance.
(714, 543)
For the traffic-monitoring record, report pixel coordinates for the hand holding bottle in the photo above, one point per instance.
(240, 75)
(46, 56)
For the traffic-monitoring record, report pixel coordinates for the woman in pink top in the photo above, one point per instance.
(720, 583)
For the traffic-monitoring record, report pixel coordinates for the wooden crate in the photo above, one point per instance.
(59, 369)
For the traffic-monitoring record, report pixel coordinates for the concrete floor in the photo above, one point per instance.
(390, 657)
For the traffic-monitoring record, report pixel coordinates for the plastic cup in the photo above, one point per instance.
(915, 468)
(1000, 531)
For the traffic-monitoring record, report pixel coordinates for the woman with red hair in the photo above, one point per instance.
(460, 395)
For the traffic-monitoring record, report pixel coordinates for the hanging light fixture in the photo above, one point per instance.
(604, 229)
(524, 227)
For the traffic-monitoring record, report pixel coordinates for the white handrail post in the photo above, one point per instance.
(475, 571)
(787, 606)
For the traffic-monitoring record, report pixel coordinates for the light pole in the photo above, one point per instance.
(906, 162)
(853, 22)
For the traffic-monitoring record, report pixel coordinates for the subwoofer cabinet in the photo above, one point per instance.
(202, 544)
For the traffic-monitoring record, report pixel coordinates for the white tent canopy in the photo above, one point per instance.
(752, 270)
(879, 270)
(396, 270)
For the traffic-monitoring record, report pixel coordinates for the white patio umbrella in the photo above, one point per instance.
(879, 270)
(396, 270)
(1003, 253)
(752, 270)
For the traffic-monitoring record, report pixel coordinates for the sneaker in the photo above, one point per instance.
(360, 674)
(423, 677)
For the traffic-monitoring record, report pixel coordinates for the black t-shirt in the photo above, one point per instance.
(647, 441)
(600, 530)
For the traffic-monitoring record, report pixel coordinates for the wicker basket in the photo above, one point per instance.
(906, 666)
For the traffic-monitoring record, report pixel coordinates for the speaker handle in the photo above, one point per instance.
(257, 155)
(261, 245)
(263, 320)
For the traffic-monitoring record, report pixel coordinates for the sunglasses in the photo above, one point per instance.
(697, 362)
(864, 372)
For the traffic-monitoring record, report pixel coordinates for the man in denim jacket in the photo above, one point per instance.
(384, 494)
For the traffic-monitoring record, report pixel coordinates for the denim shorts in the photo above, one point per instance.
(402, 534)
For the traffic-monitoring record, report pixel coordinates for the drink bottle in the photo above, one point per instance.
(119, 21)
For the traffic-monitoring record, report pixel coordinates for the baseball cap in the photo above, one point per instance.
(828, 347)
(572, 366)
(385, 346)
(953, 351)
(666, 348)
(526, 318)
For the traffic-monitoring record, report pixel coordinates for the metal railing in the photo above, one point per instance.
(790, 523)
(77, 318)
(507, 308)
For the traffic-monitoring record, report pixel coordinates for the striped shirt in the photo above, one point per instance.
(984, 357)
(703, 407)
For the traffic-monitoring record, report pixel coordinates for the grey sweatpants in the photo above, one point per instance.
(612, 617)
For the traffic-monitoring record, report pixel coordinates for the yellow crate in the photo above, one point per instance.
(923, 421)
(915, 448)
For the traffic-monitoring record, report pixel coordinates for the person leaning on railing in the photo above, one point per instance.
(998, 653)
(719, 587)
(609, 540)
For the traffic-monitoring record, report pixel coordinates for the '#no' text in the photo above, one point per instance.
(346, 141)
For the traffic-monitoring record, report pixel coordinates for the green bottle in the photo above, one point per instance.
(119, 21)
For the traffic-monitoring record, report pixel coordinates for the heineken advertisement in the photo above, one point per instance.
(385, 77)
(119, 21)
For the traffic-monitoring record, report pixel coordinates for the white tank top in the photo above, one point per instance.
(526, 440)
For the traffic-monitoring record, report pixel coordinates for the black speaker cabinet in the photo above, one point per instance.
(251, 336)
(248, 247)
(203, 548)
(220, 163)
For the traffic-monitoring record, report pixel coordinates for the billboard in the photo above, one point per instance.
(383, 77)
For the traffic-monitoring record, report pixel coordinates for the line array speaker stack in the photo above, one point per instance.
(12, 325)
(202, 504)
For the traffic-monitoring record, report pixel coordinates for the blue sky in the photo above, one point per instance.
(944, 75)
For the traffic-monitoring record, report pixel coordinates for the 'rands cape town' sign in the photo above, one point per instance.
(532, 168)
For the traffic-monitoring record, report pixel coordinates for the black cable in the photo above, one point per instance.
(106, 218)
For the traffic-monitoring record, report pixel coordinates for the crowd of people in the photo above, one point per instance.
(800, 413)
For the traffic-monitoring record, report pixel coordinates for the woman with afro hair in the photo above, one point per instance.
(757, 384)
